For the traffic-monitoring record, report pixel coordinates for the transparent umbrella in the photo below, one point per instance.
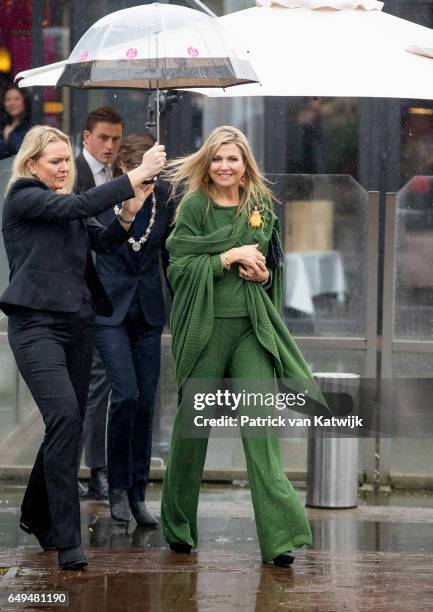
(154, 46)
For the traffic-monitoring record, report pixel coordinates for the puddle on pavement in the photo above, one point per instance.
(336, 533)
(356, 562)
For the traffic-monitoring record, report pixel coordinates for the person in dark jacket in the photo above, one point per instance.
(51, 300)
(15, 121)
(129, 341)
(101, 141)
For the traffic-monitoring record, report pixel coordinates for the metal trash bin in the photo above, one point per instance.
(332, 468)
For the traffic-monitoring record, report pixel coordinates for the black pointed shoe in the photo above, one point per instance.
(181, 547)
(119, 505)
(142, 514)
(72, 558)
(42, 534)
(284, 560)
(98, 484)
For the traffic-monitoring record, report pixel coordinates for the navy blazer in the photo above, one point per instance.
(48, 237)
(127, 272)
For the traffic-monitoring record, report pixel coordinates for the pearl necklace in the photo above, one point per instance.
(137, 244)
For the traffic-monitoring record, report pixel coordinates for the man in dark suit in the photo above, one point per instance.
(51, 301)
(102, 136)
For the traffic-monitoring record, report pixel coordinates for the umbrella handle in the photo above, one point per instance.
(157, 112)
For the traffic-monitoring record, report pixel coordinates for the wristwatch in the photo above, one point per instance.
(150, 181)
(127, 221)
(266, 282)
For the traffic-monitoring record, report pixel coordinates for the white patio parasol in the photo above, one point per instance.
(154, 46)
(330, 48)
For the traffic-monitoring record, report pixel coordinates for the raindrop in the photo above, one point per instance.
(222, 540)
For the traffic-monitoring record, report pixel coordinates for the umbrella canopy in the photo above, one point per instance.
(168, 46)
(156, 46)
(352, 49)
(153, 46)
(45, 75)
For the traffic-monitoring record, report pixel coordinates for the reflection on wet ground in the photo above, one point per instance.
(376, 557)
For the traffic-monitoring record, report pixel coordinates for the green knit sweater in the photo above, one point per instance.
(229, 295)
(194, 273)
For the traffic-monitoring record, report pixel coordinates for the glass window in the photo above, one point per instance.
(416, 139)
(323, 136)
(324, 231)
(414, 261)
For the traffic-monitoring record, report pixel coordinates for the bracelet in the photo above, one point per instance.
(265, 282)
(225, 261)
(124, 220)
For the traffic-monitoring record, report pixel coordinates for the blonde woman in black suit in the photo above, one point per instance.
(51, 302)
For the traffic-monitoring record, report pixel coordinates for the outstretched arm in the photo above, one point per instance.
(38, 203)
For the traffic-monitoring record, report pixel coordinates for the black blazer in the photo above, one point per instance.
(85, 179)
(127, 273)
(48, 238)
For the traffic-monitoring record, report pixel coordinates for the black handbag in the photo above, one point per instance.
(275, 257)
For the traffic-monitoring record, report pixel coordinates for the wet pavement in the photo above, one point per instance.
(376, 557)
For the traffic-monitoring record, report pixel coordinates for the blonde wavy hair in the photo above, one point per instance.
(191, 173)
(33, 146)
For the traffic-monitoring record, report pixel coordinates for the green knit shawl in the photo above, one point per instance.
(190, 274)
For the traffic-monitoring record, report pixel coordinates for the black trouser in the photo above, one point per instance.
(53, 352)
(131, 352)
(95, 423)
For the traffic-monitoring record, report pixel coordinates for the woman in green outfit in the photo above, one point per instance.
(225, 323)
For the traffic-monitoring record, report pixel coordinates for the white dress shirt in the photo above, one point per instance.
(101, 173)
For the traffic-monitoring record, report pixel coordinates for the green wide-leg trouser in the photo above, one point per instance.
(234, 351)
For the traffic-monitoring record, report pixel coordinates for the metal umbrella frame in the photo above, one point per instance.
(151, 47)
